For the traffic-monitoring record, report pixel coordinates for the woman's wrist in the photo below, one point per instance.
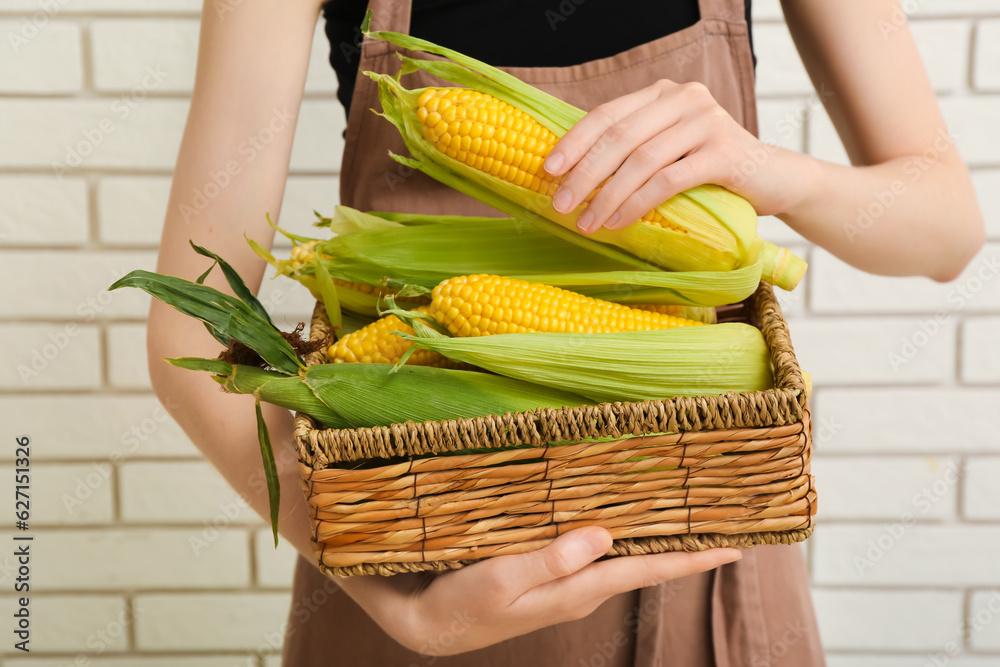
(799, 180)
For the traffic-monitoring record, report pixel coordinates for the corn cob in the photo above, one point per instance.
(494, 137)
(489, 141)
(626, 366)
(377, 344)
(304, 254)
(481, 305)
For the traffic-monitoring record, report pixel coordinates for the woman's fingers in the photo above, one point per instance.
(684, 174)
(582, 136)
(613, 148)
(566, 555)
(660, 151)
(598, 582)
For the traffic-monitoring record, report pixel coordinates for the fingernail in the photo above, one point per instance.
(596, 542)
(585, 220)
(554, 162)
(562, 200)
(735, 556)
(610, 223)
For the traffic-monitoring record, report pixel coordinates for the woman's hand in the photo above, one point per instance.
(508, 596)
(669, 137)
(654, 144)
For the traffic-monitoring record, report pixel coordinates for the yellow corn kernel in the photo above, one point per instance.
(514, 139)
(377, 344)
(480, 305)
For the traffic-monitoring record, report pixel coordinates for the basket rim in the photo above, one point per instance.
(786, 403)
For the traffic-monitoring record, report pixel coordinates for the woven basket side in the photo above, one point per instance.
(766, 315)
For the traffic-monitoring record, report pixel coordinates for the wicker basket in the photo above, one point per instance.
(730, 470)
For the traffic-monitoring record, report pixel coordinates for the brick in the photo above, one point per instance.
(127, 365)
(274, 566)
(139, 558)
(895, 554)
(944, 47)
(776, 231)
(47, 356)
(886, 487)
(779, 68)
(933, 8)
(65, 136)
(986, 68)
(782, 122)
(150, 493)
(46, 60)
(303, 195)
(823, 142)
(217, 622)
(980, 353)
(95, 427)
(78, 289)
(837, 287)
(765, 10)
(43, 210)
(874, 350)
(320, 77)
(905, 420)
(65, 493)
(73, 623)
(984, 620)
(130, 209)
(919, 660)
(987, 184)
(972, 121)
(981, 499)
(887, 620)
(319, 140)
(133, 661)
(123, 51)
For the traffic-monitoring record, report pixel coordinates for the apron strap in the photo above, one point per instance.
(730, 11)
(391, 15)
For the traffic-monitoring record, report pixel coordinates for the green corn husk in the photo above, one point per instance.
(347, 219)
(631, 366)
(225, 316)
(424, 256)
(368, 395)
(720, 227)
(375, 251)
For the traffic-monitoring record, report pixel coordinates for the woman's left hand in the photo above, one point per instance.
(655, 143)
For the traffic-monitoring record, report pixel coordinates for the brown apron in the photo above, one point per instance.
(756, 612)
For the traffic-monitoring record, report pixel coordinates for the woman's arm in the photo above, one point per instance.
(252, 64)
(906, 167)
(230, 172)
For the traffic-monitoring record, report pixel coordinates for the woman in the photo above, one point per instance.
(671, 110)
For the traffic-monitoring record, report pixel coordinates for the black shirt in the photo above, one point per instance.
(515, 33)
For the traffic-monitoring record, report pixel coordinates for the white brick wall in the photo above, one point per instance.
(145, 553)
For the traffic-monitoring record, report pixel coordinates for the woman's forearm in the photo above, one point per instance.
(230, 173)
(908, 216)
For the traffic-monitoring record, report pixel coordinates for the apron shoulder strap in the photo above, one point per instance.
(391, 15)
(730, 11)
